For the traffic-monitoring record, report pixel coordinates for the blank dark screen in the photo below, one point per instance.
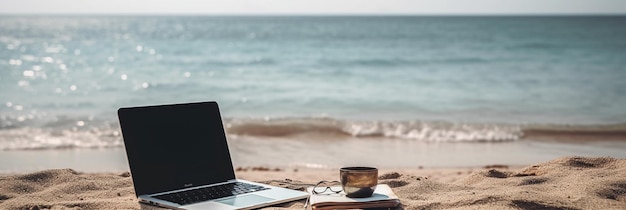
(171, 146)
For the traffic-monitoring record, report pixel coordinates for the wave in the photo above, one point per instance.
(43, 139)
(414, 130)
(67, 134)
(425, 131)
(58, 132)
(575, 132)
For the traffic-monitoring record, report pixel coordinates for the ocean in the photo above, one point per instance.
(310, 83)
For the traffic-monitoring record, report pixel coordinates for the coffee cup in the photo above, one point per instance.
(358, 182)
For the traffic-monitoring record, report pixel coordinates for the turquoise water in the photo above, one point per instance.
(62, 78)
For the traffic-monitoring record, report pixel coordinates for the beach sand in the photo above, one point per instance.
(563, 183)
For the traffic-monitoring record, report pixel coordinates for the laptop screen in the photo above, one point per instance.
(172, 147)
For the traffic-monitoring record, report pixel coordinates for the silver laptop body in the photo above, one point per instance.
(182, 149)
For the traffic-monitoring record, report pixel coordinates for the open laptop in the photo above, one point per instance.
(178, 157)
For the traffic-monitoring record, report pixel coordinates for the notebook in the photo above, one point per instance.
(179, 158)
(382, 198)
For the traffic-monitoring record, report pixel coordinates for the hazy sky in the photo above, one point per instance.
(314, 6)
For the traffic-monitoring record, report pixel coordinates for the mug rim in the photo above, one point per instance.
(358, 169)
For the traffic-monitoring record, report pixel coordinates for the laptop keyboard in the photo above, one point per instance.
(210, 193)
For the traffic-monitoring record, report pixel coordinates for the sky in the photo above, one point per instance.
(314, 7)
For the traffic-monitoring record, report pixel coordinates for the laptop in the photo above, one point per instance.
(178, 157)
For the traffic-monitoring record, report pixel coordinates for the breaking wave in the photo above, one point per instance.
(66, 134)
(43, 139)
(414, 130)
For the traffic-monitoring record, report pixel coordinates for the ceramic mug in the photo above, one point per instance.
(358, 182)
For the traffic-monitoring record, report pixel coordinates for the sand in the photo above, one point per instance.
(564, 183)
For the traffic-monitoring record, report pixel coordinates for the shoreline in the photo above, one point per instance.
(303, 154)
(562, 183)
(103, 134)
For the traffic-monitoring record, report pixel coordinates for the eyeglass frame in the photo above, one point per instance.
(326, 188)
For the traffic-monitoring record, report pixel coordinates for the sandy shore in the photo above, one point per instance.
(564, 183)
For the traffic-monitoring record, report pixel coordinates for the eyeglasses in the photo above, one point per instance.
(323, 186)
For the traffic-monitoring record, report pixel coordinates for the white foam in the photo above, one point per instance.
(432, 131)
(43, 139)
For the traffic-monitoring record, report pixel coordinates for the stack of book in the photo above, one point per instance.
(383, 197)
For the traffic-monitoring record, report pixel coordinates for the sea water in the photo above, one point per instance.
(311, 78)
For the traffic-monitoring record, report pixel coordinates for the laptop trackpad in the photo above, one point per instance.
(245, 200)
